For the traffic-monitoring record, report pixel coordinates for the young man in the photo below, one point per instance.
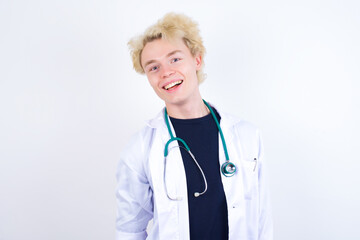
(196, 171)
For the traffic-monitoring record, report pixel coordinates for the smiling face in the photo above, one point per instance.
(171, 71)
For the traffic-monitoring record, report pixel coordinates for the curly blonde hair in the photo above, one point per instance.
(171, 26)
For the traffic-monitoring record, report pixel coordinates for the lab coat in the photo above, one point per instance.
(141, 191)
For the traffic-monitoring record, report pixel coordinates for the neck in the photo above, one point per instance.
(188, 110)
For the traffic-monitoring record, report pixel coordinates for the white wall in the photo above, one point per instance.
(69, 101)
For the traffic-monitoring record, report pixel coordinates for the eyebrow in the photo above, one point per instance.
(167, 55)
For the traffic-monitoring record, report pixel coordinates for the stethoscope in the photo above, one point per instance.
(228, 169)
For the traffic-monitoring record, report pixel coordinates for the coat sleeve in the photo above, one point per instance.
(265, 219)
(134, 194)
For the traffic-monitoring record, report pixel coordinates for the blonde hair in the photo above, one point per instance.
(171, 26)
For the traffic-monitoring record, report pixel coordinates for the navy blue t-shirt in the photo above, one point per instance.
(208, 212)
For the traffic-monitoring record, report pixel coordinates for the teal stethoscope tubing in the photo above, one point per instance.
(172, 138)
(228, 169)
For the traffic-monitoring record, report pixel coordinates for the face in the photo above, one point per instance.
(171, 70)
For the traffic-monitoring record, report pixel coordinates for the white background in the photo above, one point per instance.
(69, 101)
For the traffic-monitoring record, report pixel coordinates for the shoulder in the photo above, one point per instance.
(140, 143)
(240, 130)
(243, 134)
(238, 123)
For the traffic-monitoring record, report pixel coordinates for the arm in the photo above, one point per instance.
(265, 219)
(134, 196)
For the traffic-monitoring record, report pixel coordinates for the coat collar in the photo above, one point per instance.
(227, 120)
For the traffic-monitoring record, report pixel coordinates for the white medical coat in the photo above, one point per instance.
(141, 193)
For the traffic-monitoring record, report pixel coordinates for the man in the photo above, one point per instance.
(197, 179)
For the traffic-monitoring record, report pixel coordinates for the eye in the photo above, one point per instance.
(153, 68)
(175, 60)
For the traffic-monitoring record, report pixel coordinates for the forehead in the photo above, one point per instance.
(160, 48)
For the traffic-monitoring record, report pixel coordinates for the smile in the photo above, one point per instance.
(173, 84)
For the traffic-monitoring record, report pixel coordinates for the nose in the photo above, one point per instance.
(167, 71)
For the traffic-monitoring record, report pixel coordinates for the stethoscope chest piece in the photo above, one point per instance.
(228, 169)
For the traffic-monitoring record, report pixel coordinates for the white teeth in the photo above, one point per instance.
(172, 84)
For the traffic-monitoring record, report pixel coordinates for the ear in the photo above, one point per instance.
(198, 61)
